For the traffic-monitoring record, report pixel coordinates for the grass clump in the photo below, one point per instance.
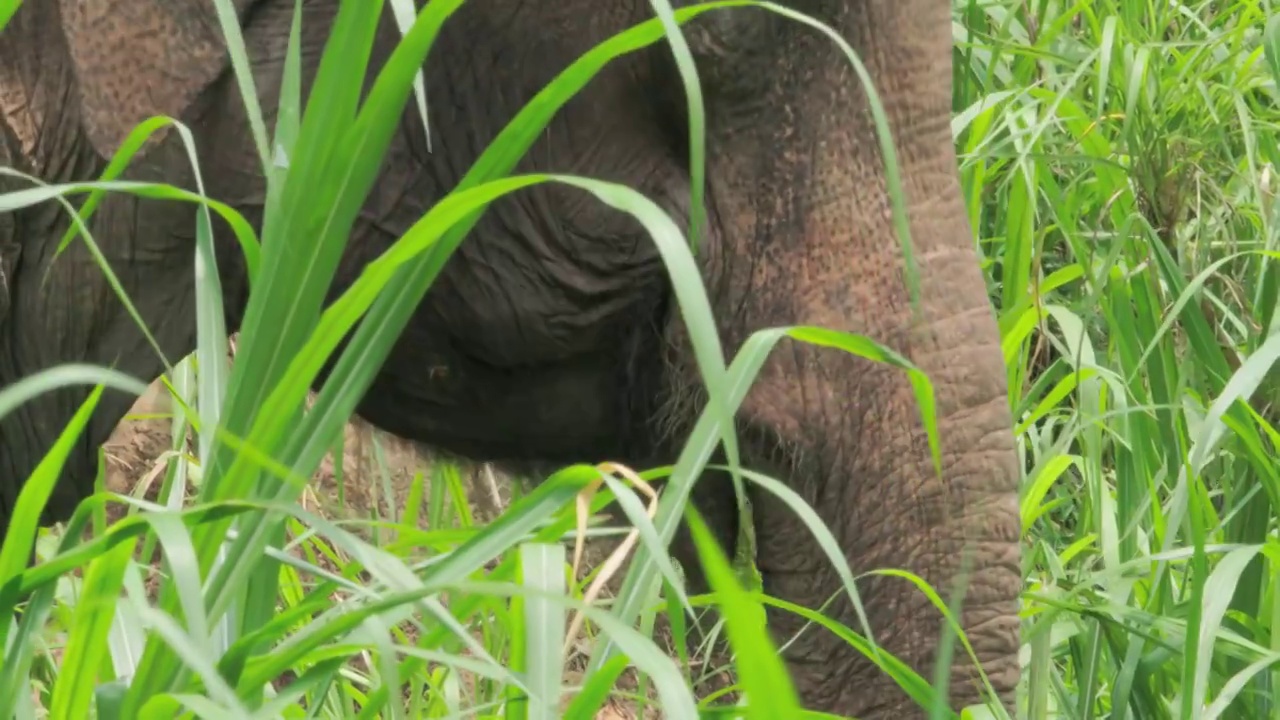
(1119, 161)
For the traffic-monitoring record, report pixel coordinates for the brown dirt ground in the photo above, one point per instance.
(135, 456)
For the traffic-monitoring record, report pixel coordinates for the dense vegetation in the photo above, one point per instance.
(1119, 161)
(1122, 180)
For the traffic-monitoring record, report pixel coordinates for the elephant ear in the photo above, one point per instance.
(137, 58)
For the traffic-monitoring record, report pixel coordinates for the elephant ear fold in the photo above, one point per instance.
(137, 58)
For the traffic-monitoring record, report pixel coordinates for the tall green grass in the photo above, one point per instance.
(250, 620)
(1119, 160)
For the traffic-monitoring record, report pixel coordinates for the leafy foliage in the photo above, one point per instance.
(1119, 160)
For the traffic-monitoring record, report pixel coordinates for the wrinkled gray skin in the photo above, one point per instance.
(553, 325)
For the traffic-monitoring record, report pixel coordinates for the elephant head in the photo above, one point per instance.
(800, 232)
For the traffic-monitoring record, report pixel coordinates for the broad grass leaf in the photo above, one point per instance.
(20, 539)
(7, 10)
(760, 668)
(1220, 586)
(35, 493)
(1043, 479)
(86, 648)
(595, 690)
(542, 567)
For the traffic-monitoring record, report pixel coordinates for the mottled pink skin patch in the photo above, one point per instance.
(139, 58)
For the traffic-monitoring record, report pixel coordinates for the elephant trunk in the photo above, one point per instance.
(805, 235)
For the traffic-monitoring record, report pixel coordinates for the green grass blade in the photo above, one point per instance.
(87, 643)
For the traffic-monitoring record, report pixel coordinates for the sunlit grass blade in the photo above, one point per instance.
(20, 538)
(7, 9)
(87, 644)
(770, 693)
(594, 693)
(542, 568)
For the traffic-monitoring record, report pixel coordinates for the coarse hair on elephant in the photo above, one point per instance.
(554, 323)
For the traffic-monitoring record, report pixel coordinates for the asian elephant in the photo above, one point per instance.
(554, 325)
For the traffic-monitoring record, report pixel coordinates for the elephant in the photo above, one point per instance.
(554, 323)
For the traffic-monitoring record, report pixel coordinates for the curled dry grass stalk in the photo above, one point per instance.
(615, 561)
